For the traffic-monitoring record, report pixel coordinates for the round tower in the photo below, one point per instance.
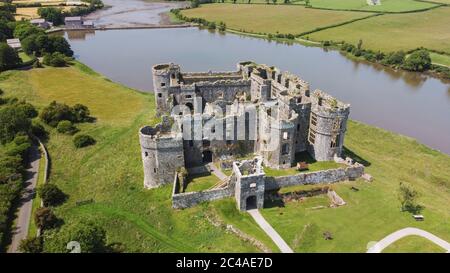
(328, 124)
(164, 76)
(147, 139)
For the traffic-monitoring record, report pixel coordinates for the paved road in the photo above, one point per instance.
(386, 241)
(25, 206)
(276, 238)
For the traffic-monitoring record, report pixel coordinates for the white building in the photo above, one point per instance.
(14, 43)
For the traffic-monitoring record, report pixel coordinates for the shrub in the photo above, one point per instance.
(55, 59)
(394, 58)
(31, 245)
(418, 61)
(13, 120)
(38, 129)
(8, 57)
(408, 198)
(56, 112)
(66, 127)
(51, 195)
(81, 113)
(81, 140)
(45, 218)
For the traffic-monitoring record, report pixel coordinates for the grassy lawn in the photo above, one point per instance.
(428, 29)
(271, 18)
(374, 211)
(32, 229)
(386, 5)
(413, 244)
(201, 182)
(440, 59)
(24, 57)
(110, 172)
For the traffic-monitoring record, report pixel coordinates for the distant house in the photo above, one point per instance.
(88, 24)
(42, 23)
(73, 22)
(374, 2)
(14, 43)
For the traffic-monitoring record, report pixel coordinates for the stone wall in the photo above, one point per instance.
(190, 199)
(319, 177)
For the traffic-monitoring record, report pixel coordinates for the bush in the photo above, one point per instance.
(38, 129)
(81, 140)
(31, 245)
(14, 120)
(51, 195)
(56, 112)
(55, 59)
(66, 127)
(45, 218)
(81, 113)
(8, 57)
(394, 58)
(418, 61)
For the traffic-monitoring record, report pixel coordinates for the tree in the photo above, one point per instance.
(8, 57)
(52, 14)
(51, 195)
(418, 61)
(408, 198)
(81, 141)
(59, 44)
(13, 120)
(45, 218)
(307, 3)
(25, 29)
(55, 59)
(195, 3)
(31, 245)
(28, 109)
(274, 1)
(394, 58)
(360, 42)
(90, 236)
(5, 31)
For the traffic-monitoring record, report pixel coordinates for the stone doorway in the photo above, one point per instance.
(250, 202)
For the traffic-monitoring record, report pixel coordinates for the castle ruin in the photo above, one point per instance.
(215, 116)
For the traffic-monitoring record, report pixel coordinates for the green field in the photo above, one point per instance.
(271, 18)
(413, 244)
(440, 59)
(386, 5)
(110, 173)
(428, 29)
(373, 212)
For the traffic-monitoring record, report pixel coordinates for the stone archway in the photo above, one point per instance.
(250, 202)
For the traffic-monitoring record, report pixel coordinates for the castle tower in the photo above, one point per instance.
(165, 76)
(328, 124)
(162, 155)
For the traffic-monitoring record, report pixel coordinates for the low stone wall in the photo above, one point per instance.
(190, 199)
(319, 177)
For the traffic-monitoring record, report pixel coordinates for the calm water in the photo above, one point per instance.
(406, 103)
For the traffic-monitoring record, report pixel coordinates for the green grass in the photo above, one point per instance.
(317, 166)
(386, 5)
(427, 29)
(32, 229)
(291, 19)
(24, 57)
(440, 59)
(373, 212)
(413, 244)
(110, 172)
(201, 182)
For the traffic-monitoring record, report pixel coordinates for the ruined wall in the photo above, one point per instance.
(190, 199)
(319, 177)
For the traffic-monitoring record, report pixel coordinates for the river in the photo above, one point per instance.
(408, 103)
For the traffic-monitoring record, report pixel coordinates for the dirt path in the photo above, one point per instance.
(391, 238)
(26, 202)
(268, 229)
